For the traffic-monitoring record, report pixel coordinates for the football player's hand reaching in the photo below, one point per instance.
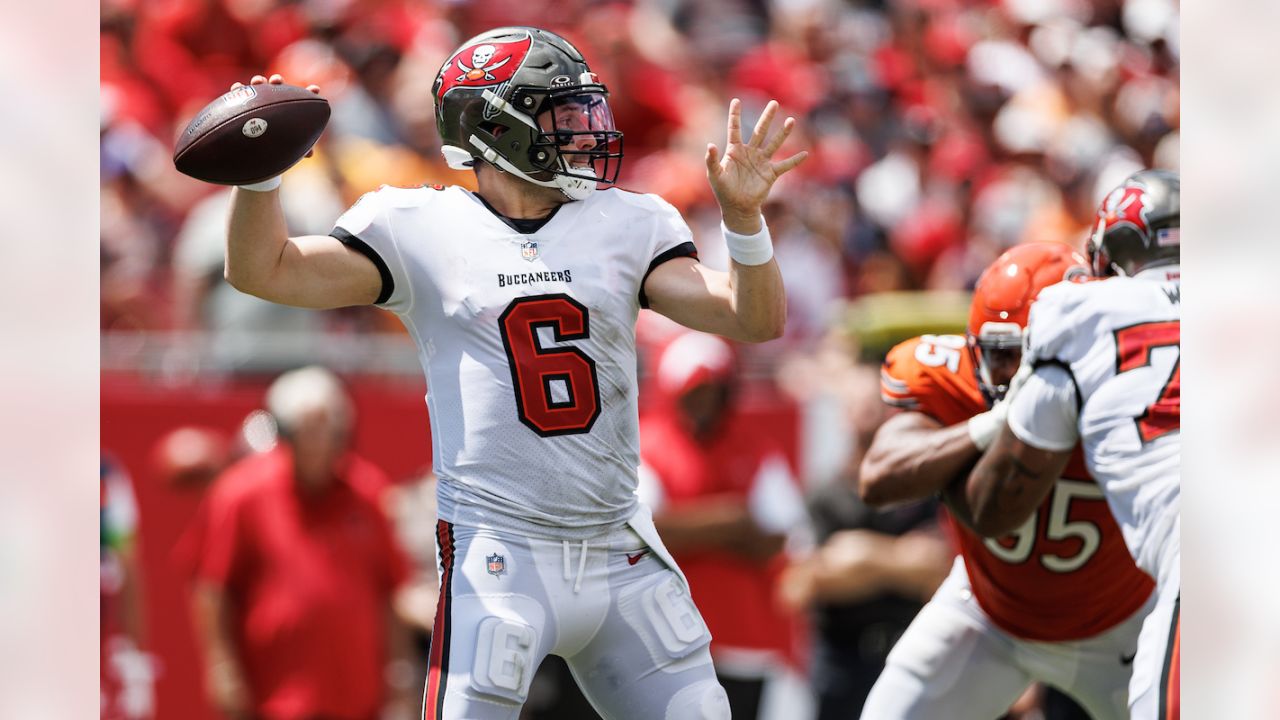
(742, 176)
(277, 79)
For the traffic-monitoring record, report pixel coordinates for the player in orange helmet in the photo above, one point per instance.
(1002, 302)
(1059, 599)
(1102, 369)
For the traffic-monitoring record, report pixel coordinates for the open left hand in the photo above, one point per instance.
(742, 177)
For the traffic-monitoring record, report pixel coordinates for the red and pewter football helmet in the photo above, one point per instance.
(1138, 225)
(1002, 302)
(524, 101)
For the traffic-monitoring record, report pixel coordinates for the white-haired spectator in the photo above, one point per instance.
(295, 570)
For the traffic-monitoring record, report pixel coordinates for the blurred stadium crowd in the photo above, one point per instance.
(942, 131)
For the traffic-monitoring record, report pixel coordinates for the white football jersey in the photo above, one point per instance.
(1119, 342)
(528, 345)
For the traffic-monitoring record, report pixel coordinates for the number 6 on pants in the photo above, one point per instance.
(504, 658)
(673, 615)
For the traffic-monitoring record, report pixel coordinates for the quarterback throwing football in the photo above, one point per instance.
(522, 299)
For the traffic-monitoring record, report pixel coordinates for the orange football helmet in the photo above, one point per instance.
(1002, 301)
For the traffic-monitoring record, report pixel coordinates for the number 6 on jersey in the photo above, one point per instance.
(556, 388)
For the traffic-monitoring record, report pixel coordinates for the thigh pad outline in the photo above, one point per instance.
(665, 618)
(504, 663)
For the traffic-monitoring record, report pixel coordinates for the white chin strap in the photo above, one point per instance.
(574, 188)
(457, 158)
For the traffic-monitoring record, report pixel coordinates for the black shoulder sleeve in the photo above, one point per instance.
(1058, 363)
(362, 247)
(685, 249)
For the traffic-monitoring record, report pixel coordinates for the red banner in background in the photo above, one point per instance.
(391, 430)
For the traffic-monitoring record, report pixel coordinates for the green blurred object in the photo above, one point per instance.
(881, 320)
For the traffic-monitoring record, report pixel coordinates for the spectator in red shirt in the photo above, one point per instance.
(296, 568)
(724, 501)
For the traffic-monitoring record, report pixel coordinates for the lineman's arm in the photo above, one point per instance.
(1006, 486)
(914, 456)
(313, 271)
(1028, 456)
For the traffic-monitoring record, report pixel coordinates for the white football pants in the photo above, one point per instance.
(953, 663)
(1151, 692)
(615, 607)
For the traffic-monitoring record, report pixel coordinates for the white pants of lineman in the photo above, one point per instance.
(1153, 694)
(615, 607)
(953, 663)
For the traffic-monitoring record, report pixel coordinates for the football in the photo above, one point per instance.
(251, 134)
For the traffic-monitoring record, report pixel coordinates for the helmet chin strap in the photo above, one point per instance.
(574, 188)
(457, 158)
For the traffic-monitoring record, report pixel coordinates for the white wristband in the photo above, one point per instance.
(265, 186)
(984, 427)
(749, 249)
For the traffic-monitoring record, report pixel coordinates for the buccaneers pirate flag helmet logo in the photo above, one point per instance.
(524, 101)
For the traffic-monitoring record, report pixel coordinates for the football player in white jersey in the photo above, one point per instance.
(523, 298)
(1101, 365)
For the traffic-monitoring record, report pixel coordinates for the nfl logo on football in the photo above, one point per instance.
(496, 564)
(529, 250)
(240, 95)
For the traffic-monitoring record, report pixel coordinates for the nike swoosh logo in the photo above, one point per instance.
(1128, 659)
(633, 559)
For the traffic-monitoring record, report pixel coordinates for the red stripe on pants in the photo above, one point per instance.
(438, 668)
(1173, 693)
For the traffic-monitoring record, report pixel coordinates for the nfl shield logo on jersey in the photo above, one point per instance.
(496, 564)
(529, 250)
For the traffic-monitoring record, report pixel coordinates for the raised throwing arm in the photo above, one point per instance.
(314, 271)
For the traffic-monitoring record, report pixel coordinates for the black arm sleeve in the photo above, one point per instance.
(362, 247)
(685, 249)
